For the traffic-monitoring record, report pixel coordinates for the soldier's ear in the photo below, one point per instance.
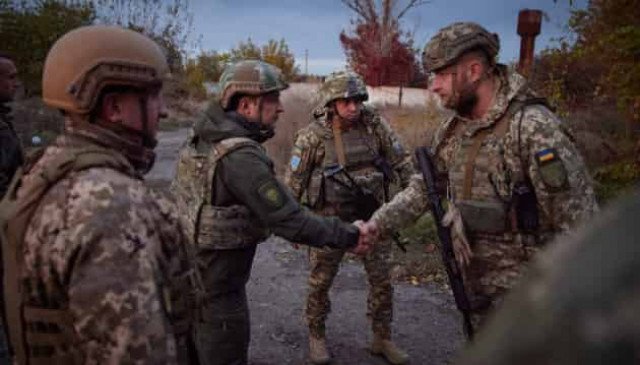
(112, 108)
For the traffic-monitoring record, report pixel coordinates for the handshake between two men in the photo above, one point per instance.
(368, 237)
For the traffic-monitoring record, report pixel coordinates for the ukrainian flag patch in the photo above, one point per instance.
(546, 155)
(552, 170)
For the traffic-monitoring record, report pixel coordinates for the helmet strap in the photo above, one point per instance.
(147, 140)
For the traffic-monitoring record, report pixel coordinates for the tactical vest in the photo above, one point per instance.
(356, 150)
(481, 182)
(41, 335)
(208, 226)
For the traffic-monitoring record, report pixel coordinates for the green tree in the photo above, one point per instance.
(29, 29)
(602, 65)
(168, 22)
(274, 52)
(206, 67)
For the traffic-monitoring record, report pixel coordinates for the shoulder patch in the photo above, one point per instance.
(296, 158)
(271, 194)
(552, 170)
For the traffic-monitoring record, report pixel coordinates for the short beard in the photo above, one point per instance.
(467, 97)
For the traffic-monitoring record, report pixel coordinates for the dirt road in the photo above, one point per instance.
(426, 323)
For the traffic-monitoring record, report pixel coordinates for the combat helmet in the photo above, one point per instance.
(86, 60)
(454, 40)
(342, 85)
(249, 77)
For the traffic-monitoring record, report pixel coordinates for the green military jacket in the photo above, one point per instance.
(245, 177)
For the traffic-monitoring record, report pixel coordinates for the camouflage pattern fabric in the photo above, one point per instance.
(454, 40)
(309, 153)
(313, 151)
(577, 304)
(109, 251)
(324, 267)
(249, 77)
(341, 85)
(545, 155)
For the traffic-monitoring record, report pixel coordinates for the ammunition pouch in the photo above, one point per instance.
(361, 207)
(228, 228)
(51, 336)
(525, 205)
(484, 217)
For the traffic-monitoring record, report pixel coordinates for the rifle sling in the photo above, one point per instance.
(337, 141)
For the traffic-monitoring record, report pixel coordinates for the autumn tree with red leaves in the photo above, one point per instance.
(378, 49)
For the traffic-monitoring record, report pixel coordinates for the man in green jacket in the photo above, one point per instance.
(229, 200)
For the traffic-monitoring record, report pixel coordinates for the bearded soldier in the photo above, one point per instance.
(96, 270)
(230, 200)
(343, 164)
(514, 177)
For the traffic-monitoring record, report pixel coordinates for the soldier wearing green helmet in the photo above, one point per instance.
(514, 177)
(342, 164)
(229, 200)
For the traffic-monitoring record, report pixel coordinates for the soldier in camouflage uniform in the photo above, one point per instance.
(344, 133)
(96, 268)
(230, 200)
(514, 177)
(578, 304)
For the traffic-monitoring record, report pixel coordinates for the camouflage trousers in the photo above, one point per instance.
(325, 263)
(496, 267)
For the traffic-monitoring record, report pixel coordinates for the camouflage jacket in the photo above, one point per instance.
(532, 148)
(11, 155)
(371, 138)
(108, 251)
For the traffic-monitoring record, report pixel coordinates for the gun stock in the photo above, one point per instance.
(429, 173)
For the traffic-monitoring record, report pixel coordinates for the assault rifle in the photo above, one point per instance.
(365, 202)
(429, 173)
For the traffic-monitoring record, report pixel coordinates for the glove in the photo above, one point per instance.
(461, 247)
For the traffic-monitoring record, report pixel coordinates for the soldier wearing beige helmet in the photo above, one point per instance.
(96, 269)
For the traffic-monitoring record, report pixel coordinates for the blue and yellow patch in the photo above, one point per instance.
(552, 170)
(546, 155)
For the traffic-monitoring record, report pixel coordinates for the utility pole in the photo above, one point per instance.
(306, 62)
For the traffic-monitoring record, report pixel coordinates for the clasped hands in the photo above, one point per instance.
(368, 237)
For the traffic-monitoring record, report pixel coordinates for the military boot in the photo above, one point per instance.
(318, 351)
(389, 350)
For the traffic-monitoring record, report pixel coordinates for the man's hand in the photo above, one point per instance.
(366, 239)
(461, 247)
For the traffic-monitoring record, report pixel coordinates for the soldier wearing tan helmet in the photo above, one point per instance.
(514, 177)
(230, 200)
(346, 134)
(96, 269)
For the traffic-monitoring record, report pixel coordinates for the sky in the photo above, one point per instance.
(315, 25)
